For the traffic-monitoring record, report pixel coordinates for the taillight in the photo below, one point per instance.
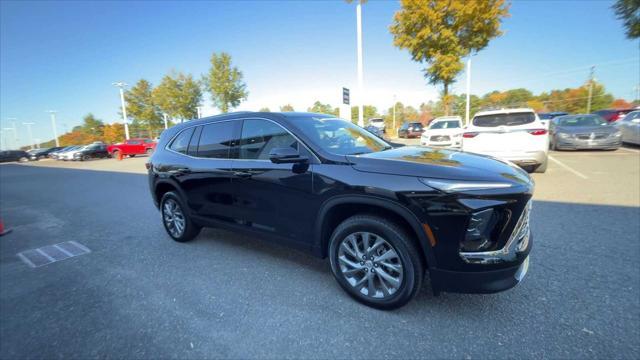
(469, 135)
(538, 132)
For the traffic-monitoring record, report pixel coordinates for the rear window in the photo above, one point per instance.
(512, 119)
(445, 125)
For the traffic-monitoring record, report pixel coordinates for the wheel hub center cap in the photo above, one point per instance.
(368, 264)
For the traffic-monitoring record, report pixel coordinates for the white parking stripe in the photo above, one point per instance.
(566, 167)
(630, 150)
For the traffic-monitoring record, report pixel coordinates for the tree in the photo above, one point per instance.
(439, 33)
(621, 104)
(91, 125)
(629, 12)
(286, 108)
(224, 82)
(265, 109)
(113, 133)
(369, 112)
(142, 108)
(178, 95)
(321, 108)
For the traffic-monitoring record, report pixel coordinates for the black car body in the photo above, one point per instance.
(13, 155)
(581, 132)
(93, 151)
(294, 178)
(43, 153)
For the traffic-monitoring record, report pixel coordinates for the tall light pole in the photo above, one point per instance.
(14, 135)
(593, 68)
(121, 85)
(164, 116)
(15, 131)
(53, 125)
(199, 109)
(394, 114)
(28, 125)
(468, 106)
(360, 75)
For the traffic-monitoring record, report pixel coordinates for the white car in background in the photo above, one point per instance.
(377, 122)
(516, 135)
(68, 155)
(445, 131)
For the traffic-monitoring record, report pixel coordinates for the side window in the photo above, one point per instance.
(133, 142)
(216, 140)
(259, 137)
(181, 142)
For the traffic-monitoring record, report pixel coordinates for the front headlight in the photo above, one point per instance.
(457, 185)
(617, 134)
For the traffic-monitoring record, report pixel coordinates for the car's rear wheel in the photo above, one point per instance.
(176, 220)
(375, 261)
(149, 151)
(85, 157)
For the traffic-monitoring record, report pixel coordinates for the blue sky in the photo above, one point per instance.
(65, 55)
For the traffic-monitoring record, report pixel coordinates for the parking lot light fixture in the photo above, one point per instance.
(121, 85)
(28, 125)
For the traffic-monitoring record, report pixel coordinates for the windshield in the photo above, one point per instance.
(512, 119)
(339, 136)
(586, 120)
(445, 125)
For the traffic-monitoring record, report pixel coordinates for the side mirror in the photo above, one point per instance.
(286, 155)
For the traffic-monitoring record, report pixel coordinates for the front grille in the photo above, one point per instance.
(440, 138)
(591, 136)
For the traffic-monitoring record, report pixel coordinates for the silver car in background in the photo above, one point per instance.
(630, 127)
(584, 131)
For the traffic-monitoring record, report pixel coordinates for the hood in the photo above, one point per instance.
(439, 164)
(587, 129)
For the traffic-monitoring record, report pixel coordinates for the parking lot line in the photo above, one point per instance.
(566, 167)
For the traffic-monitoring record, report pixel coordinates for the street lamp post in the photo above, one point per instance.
(28, 125)
(394, 114)
(468, 106)
(14, 135)
(360, 71)
(121, 85)
(53, 125)
(164, 116)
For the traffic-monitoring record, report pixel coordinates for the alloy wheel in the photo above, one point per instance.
(370, 265)
(173, 218)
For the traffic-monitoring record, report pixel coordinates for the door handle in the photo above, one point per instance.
(242, 174)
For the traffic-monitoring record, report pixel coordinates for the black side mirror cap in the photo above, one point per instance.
(286, 155)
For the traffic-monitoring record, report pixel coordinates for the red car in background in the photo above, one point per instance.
(132, 147)
(612, 115)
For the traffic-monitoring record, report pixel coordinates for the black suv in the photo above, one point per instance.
(382, 215)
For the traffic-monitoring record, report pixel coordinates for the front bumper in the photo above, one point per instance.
(479, 282)
(577, 144)
(520, 158)
(450, 144)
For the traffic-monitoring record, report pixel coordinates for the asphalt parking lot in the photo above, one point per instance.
(138, 294)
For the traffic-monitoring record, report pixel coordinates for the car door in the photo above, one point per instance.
(207, 179)
(269, 197)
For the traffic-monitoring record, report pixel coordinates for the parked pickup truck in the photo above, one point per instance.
(132, 147)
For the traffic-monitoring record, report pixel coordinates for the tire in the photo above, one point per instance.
(132, 155)
(115, 154)
(189, 229)
(85, 157)
(360, 229)
(542, 168)
(149, 152)
(23, 159)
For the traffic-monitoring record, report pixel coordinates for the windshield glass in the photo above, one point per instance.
(585, 120)
(445, 125)
(512, 119)
(339, 136)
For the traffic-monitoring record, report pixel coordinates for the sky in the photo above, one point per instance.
(64, 56)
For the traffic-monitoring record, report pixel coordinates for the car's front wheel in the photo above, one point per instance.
(375, 261)
(175, 218)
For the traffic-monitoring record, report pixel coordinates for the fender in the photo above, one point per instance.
(168, 181)
(320, 245)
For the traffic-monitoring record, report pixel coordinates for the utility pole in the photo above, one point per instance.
(360, 75)
(199, 108)
(28, 125)
(53, 125)
(15, 143)
(121, 85)
(394, 113)
(468, 106)
(15, 131)
(593, 69)
(164, 116)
